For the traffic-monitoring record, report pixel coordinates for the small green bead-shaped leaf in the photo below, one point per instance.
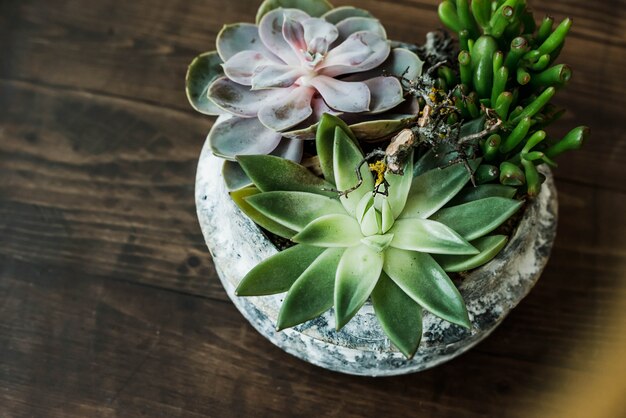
(346, 159)
(295, 210)
(470, 194)
(313, 293)
(478, 218)
(357, 275)
(278, 273)
(315, 8)
(331, 231)
(489, 247)
(202, 72)
(433, 189)
(270, 173)
(429, 237)
(325, 143)
(240, 198)
(398, 314)
(420, 277)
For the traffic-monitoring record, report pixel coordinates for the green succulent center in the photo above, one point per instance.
(378, 243)
(375, 218)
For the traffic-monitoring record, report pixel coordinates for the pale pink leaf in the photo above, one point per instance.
(241, 67)
(276, 76)
(287, 110)
(233, 39)
(232, 136)
(386, 93)
(342, 95)
(362, 51)
(237, 99)
(271, 33)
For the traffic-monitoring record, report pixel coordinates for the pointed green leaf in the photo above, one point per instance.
(429, 237)
(387, 216)
(478, 218)
(433, 189)
(399, 188)
(434, 158)
(489, 247)
(378, 243)
(234, 176)
(202, 72)
(346, 159)
(399, 315)
(270, 173)
(357, 274)
(279, 272)
(471, 193)
(325, 143)
(313, 293)
(364, 205)
(314, 8)
(331, 231)
(370, 224)
(295, 210)
(240, 196)
(420, 277)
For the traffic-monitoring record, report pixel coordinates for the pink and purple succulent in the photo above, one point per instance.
(269, 83)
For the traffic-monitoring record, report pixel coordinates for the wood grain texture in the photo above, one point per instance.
(109, 302)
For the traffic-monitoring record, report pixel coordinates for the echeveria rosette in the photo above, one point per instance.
(271, 83)
(394, 249)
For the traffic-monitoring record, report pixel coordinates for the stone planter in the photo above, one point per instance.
(361, 347)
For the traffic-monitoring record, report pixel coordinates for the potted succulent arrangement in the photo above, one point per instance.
(372, 206)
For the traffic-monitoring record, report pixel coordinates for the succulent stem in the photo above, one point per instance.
(557, 38)
(503, 103)
(557, 75)
(573, 140)
(516, 136)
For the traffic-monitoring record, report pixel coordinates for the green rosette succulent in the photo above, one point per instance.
(393, 249)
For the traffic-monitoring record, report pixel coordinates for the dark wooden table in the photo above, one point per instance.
(109, 302)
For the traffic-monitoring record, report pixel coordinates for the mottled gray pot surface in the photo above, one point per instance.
(361, 347)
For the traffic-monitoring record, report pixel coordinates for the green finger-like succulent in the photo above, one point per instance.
(506, 67)
(350, 248)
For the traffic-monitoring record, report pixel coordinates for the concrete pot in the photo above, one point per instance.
(361, 347)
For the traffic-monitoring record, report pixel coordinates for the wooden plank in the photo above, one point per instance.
(76, 345)
(104, 184)
(109, 302)
(139, 53)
